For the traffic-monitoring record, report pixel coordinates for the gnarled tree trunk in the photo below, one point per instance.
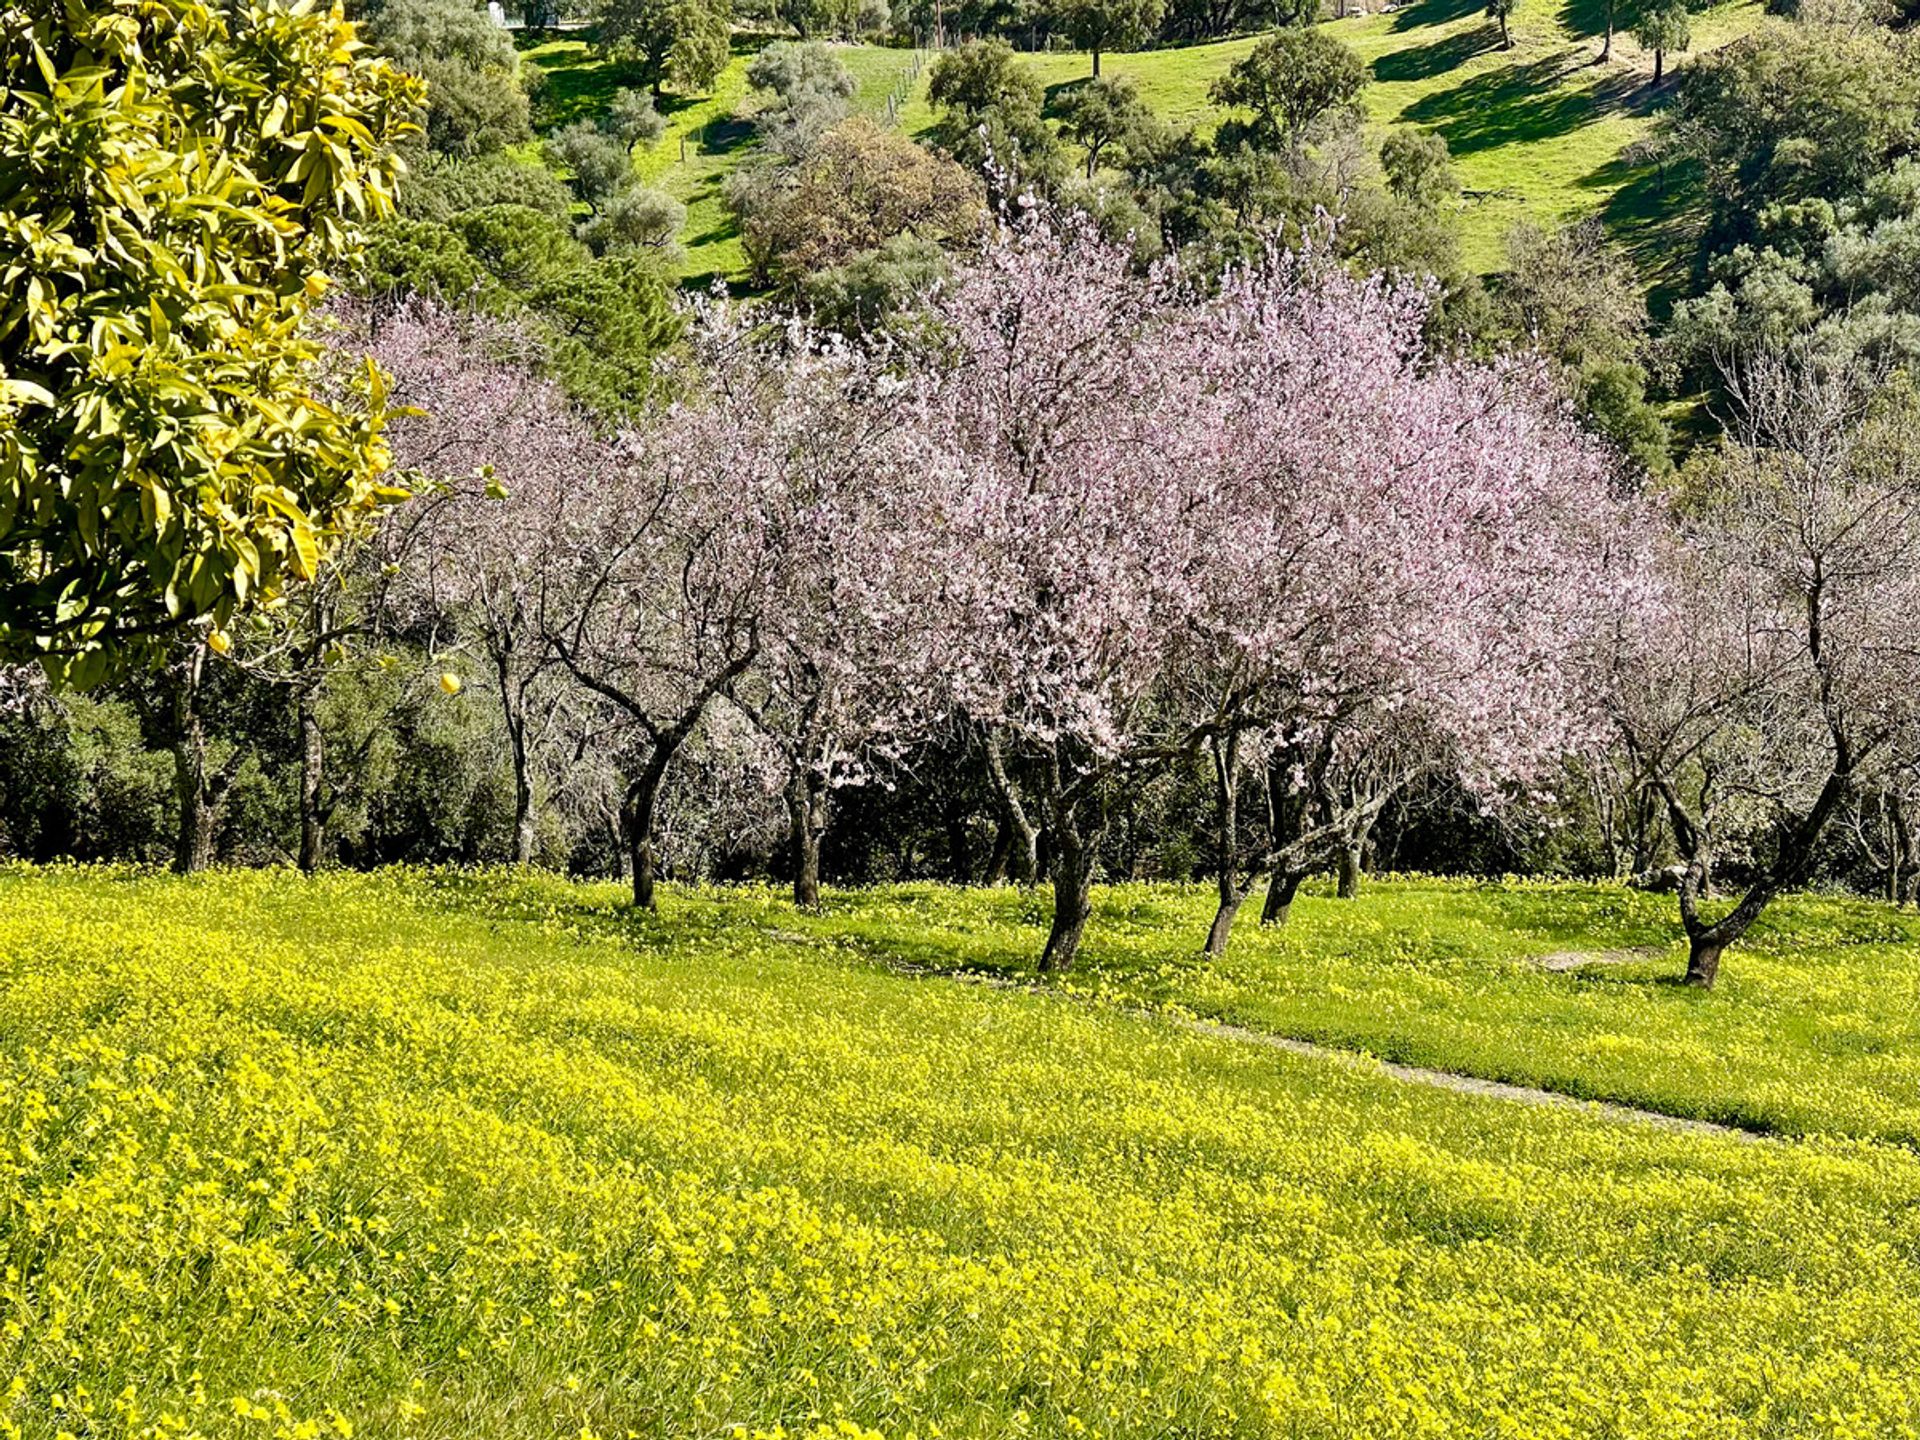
(806, 822)
(199, 787)
(1021, 834)
(639, 815)
(1076, 820)
(1228, 886)
(1072, 899)
(1348, 871)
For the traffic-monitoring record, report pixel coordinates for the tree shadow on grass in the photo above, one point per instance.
(1516, 106)
(1423, 62)
(1587, 19)
(1658, 215)
(1434, 12)
(726, 134)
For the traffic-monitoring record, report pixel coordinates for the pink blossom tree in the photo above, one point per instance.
(743, 526)
(498, 457)
(1055, 385)
(1780, 675)
(852, 609)
(1406, 556)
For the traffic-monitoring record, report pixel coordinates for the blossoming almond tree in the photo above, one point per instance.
(1058, 388)
(503, 457)
(1403, 557)
(1781, 673)
(738, 529)
(853, 608)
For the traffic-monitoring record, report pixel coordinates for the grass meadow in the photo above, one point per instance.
(479, 1155)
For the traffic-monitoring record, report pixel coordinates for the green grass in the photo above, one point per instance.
(1537, 131)
(479, 1156)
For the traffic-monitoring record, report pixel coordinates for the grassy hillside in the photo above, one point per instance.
(1538, 131)
(708, 136)
(477, 1157)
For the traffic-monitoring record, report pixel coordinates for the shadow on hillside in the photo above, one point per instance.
(1587, 19)
(1434, 12)
(1659, 216)
(578, 84)
(1423, 62)
(1516, 106)
(724, 134)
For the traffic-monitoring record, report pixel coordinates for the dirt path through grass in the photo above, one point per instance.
(1562, 961)
(1409, 1074)
(1450, 1080)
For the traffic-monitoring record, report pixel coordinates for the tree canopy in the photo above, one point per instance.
(179, 183)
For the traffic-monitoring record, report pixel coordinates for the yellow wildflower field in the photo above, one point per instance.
(433, 1155)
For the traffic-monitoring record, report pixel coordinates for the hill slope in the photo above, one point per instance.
(1538, 131)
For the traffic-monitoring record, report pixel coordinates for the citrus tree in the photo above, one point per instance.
(178, 181)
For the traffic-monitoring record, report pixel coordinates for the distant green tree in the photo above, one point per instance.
(1100, 114)
(603, 322)
(440, 188)
(1289, 80)
(813, 92)
(686, 41)
(1794, 112)
(858, 187)
(1501, 11)
(990, 108)
(633, 120)
(476, 103)
(1662, 26)
(600, 165)
(178, 185)
(1098, 25)
(866, 292)
(1575, 296)
(637, 219)
(1419, 167)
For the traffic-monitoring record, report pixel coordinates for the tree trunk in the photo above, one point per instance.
(1900, 851)
(1001, 854)
(1072, 899)
(1792, 862)
(313, 820)
(1024, 836)
(638, 816)
(1703, 961)
(806, 820)
(1096, 64)
(1072, 849)
(512, 705)
(1659, 66)
(199, 791)
(1221, 931)
(193, 841)
(1347, 863)
(1606, 45)
(1283, 885)
(1225, 752)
